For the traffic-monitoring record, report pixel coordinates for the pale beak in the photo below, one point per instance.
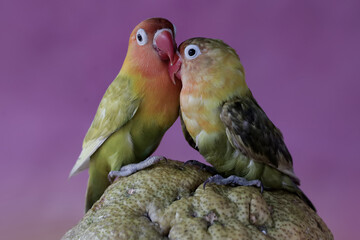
(175, 67)
(164, 44)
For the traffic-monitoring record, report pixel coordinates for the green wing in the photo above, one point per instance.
(251, 131)
(187, 136)
(118, 105)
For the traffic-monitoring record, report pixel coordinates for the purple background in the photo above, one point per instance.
(58, 57)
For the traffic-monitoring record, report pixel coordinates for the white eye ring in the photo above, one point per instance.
(192, 51)
(141, 37)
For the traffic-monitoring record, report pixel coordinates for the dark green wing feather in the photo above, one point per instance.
(251, 131)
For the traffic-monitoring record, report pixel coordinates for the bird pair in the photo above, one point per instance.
(219, 116)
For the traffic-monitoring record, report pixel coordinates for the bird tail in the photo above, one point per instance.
(288, 183)
(97, 184)
(303, 197)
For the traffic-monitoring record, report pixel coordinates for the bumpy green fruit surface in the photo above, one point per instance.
(168, 201)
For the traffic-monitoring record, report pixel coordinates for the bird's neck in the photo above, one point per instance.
(160, 97)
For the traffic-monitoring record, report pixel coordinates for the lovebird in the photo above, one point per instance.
(136, 109)
(223, 121)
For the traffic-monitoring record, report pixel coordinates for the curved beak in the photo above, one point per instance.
(175, 67)
(165, 45)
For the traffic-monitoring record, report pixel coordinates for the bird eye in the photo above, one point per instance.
(192, 51)
(141, 37)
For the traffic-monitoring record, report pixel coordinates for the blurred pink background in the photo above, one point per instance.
(58, 57)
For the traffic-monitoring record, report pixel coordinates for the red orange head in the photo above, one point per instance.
(151, 45)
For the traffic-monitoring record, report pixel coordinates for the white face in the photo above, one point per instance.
(192, 51)
(141, 37)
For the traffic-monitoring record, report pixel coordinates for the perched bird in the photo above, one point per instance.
(136, 110)
(223, 121)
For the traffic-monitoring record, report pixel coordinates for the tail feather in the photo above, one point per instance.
(290, 185)
(97, 184)
(303, 197)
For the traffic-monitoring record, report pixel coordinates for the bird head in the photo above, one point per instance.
(151, 45)
(201, 59)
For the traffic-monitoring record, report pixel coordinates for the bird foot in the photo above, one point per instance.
(234, 180)
(134, 167)
(202, 166)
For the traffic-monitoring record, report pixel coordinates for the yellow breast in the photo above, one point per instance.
(200, 114)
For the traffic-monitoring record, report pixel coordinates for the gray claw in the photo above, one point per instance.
(233, 180)
(134, 167)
